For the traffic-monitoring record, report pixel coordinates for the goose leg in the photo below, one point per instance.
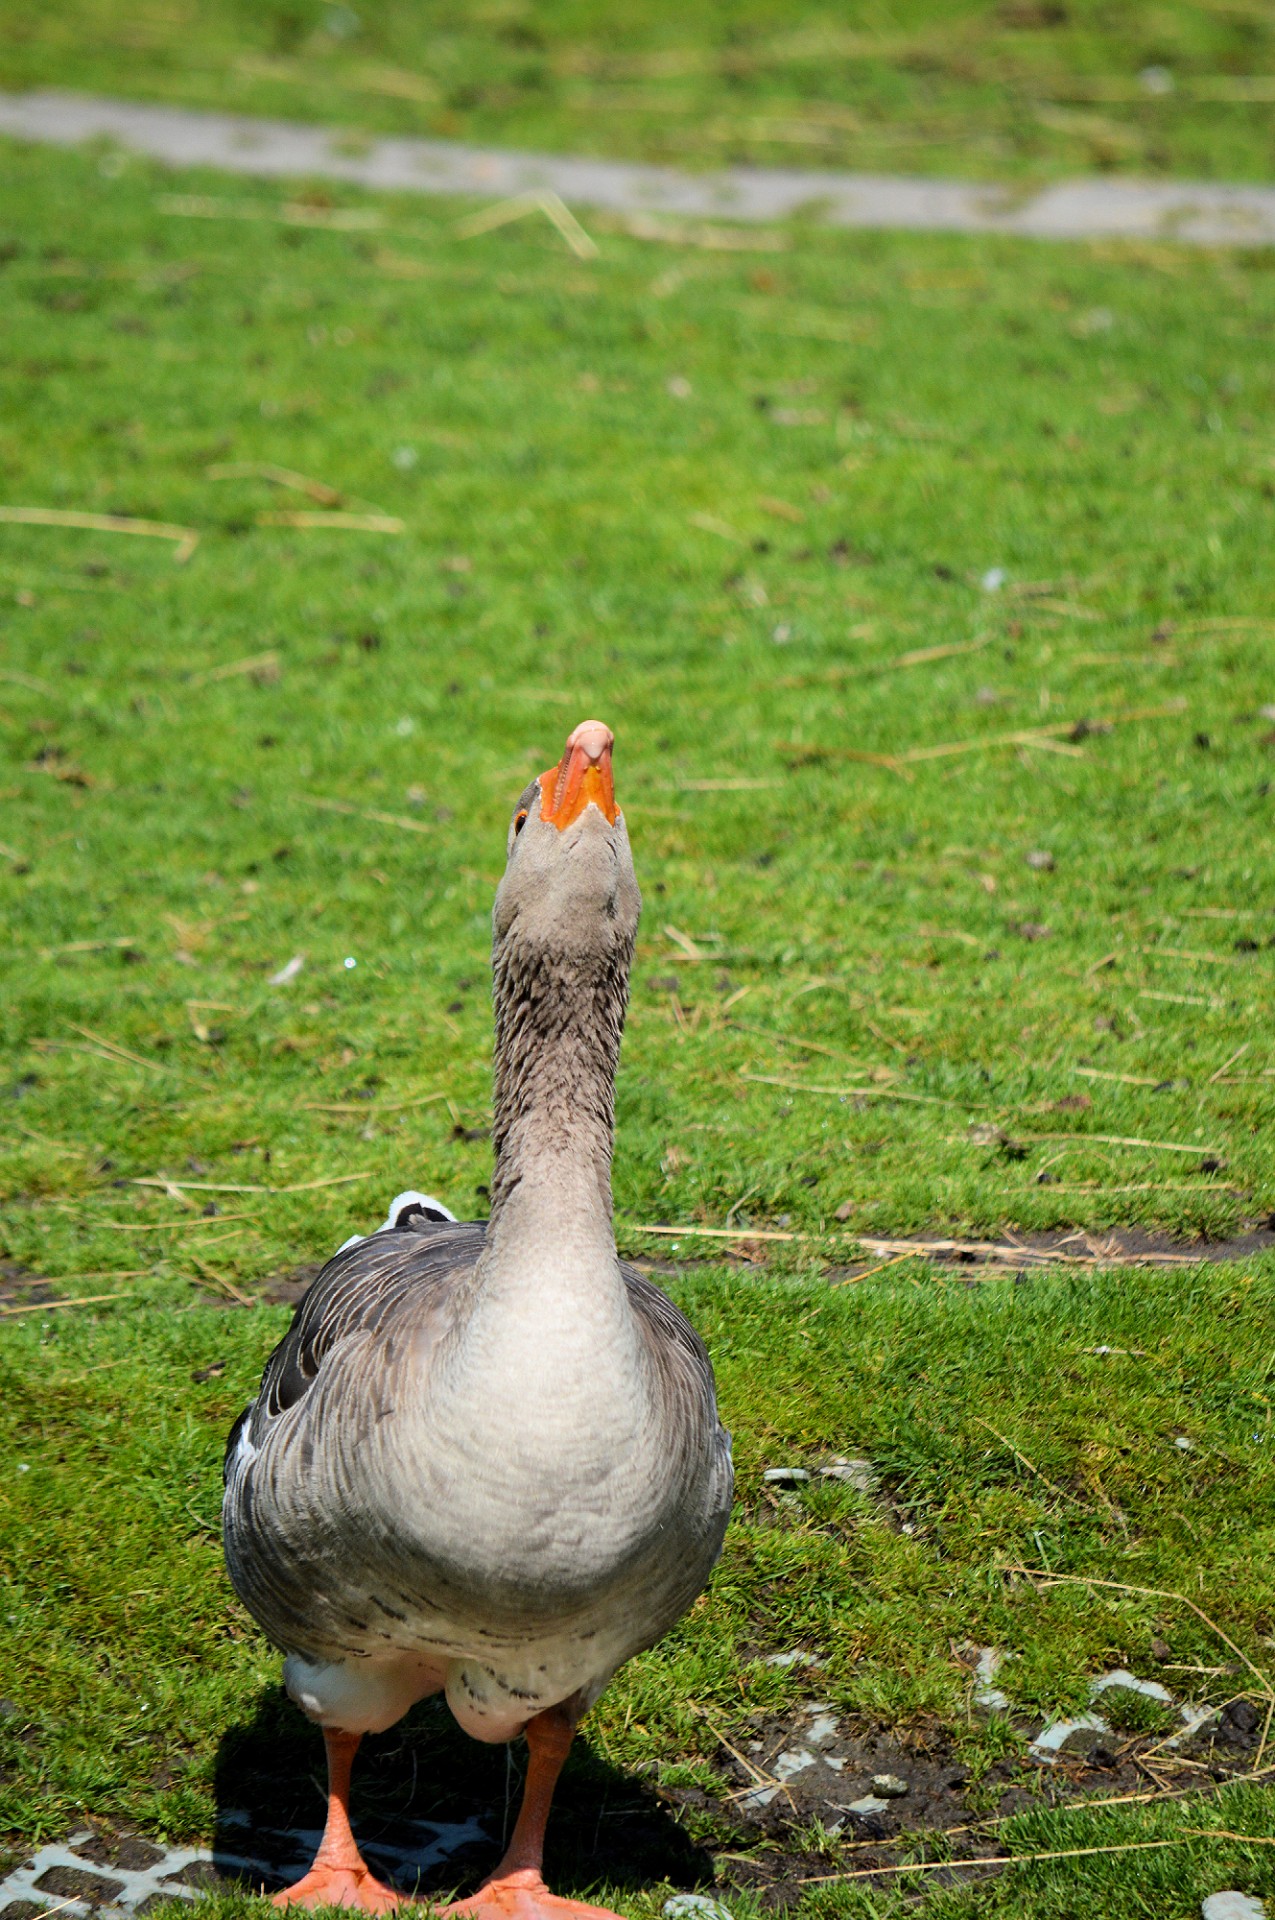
(516, 1890)
(340, 1877)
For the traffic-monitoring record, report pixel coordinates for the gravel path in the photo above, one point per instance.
(1199, 214)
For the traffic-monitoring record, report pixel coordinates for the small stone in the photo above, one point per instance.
(859, 1474)
(1040, 861)
(1194, 1718)
(1182, 1444)
(891, 1786)
(1081, 1741)
(288, 972)
(1231, 1905)
(986, 1694)
(1077, 1738)
(694, 1906)
(785, 1476)
(1121, 1680)
(1161, 1650)
(1243, 1716)
(74, 1883)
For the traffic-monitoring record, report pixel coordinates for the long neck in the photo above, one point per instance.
(559, 1020)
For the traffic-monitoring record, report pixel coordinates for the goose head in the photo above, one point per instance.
(563, 930)
(569, 893)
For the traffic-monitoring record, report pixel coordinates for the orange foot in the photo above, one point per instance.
(339, 1887)
(523, 1896)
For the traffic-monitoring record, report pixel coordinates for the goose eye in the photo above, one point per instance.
(520, 821)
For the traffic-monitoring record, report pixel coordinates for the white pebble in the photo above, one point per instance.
(694, 1906)
(1131, 1684)
(859, 1474)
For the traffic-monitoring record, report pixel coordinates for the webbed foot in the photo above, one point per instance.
(522, 1895)
(339, 1886)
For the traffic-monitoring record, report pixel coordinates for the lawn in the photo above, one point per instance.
(926, 584)
(1021, 89)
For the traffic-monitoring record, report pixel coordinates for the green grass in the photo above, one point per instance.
(1025, 89)
(715, 502)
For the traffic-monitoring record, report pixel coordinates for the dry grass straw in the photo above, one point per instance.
(1049, 738)
(364, 813)
(846, 1093)
(221, 1280)
(124, 940)
(186, 539)
(706, 235)
(371, 1108)
(1057, 1853)
(338, 522)
(264, 666)
(918, 657)
(180, 1187)
(1130, 1140)
(1031, 1465)
(317, 490)
(82, 1300)
(293, 213)
(519, 207)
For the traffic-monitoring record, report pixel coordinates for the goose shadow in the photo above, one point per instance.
(431, 1809)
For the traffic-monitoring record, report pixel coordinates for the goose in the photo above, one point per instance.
(486, 1459)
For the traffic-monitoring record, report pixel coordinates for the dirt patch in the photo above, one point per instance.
(807, 1771)
(1067, 1247)
(288, 1289)
(18, 1288)
(108, 1849)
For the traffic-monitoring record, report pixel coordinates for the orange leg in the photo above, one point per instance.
(516, 1890)
(340, 1877)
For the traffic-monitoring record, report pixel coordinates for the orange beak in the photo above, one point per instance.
(582, 775)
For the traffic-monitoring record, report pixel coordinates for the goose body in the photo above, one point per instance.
(486, 1458)
(396, 1527)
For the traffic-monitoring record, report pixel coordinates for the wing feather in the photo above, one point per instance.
(361, 1289)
